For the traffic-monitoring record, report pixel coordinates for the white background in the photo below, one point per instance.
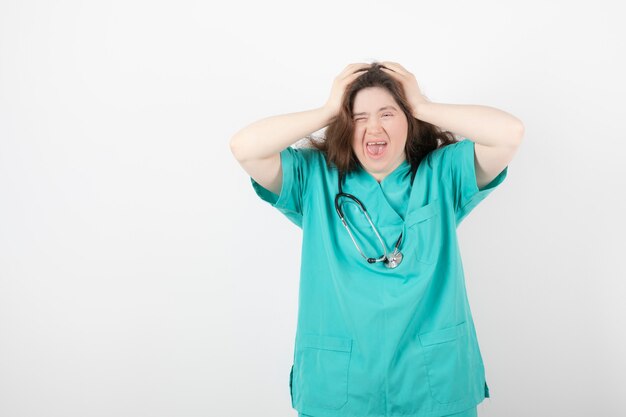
(141, 276)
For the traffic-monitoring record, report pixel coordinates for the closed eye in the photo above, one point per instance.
(362, 118)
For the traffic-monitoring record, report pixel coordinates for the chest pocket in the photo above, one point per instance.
(423, 232)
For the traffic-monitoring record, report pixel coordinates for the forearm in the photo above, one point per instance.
(271, 135)
(482, 124)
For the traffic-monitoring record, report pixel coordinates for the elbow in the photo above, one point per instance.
(235, 148)
(518, 133)
(520, 127)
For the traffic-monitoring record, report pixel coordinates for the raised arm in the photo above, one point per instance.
(257, 146)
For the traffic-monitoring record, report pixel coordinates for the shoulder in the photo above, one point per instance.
(446, 154)
(313, 158)
(307, 152)
(446, 149)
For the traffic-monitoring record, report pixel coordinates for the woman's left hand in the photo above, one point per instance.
(412, 90)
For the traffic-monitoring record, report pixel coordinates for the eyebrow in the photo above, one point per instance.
(379, 110)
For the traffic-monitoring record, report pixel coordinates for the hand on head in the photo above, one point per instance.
(349, 74)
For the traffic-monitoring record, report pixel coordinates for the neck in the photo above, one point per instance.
(379, 176)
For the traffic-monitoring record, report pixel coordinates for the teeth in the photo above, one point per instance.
(376, 143)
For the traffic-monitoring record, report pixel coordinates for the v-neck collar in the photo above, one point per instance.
(363, 184)
(366, 182)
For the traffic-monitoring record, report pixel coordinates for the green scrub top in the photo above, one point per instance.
(373, 341)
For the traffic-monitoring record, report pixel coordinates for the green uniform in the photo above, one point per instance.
(373, 341)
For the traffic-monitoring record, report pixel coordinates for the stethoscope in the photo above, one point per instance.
(390, 260)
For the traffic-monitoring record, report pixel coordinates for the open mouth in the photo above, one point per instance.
(376, 149)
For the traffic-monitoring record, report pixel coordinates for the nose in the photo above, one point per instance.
(373, 125)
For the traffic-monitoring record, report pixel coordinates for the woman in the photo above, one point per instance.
(384, 324)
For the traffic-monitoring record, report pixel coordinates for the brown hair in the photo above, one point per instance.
(422, 137)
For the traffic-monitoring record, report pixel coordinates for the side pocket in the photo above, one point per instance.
(322, 364)
(447, 359)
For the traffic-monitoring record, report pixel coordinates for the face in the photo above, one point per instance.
(378, 121)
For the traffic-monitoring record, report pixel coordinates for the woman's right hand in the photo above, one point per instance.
(349, 74)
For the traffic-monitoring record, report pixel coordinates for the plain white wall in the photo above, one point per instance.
(141, 276)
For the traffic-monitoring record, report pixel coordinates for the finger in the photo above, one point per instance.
(358, 72)
(354, 76)
(358, 65)
(353, 68)
(348, 72)
(391, 72)
(362, 67)
(394, 66)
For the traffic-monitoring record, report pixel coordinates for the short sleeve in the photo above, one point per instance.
(457, 166)
(290, 200)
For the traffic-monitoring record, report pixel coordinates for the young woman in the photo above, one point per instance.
(384, 324)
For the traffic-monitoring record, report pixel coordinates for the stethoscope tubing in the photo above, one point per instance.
(384, 258)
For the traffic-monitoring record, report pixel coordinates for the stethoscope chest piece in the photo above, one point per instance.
(394, 260)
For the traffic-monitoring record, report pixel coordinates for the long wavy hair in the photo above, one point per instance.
(336, 144)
